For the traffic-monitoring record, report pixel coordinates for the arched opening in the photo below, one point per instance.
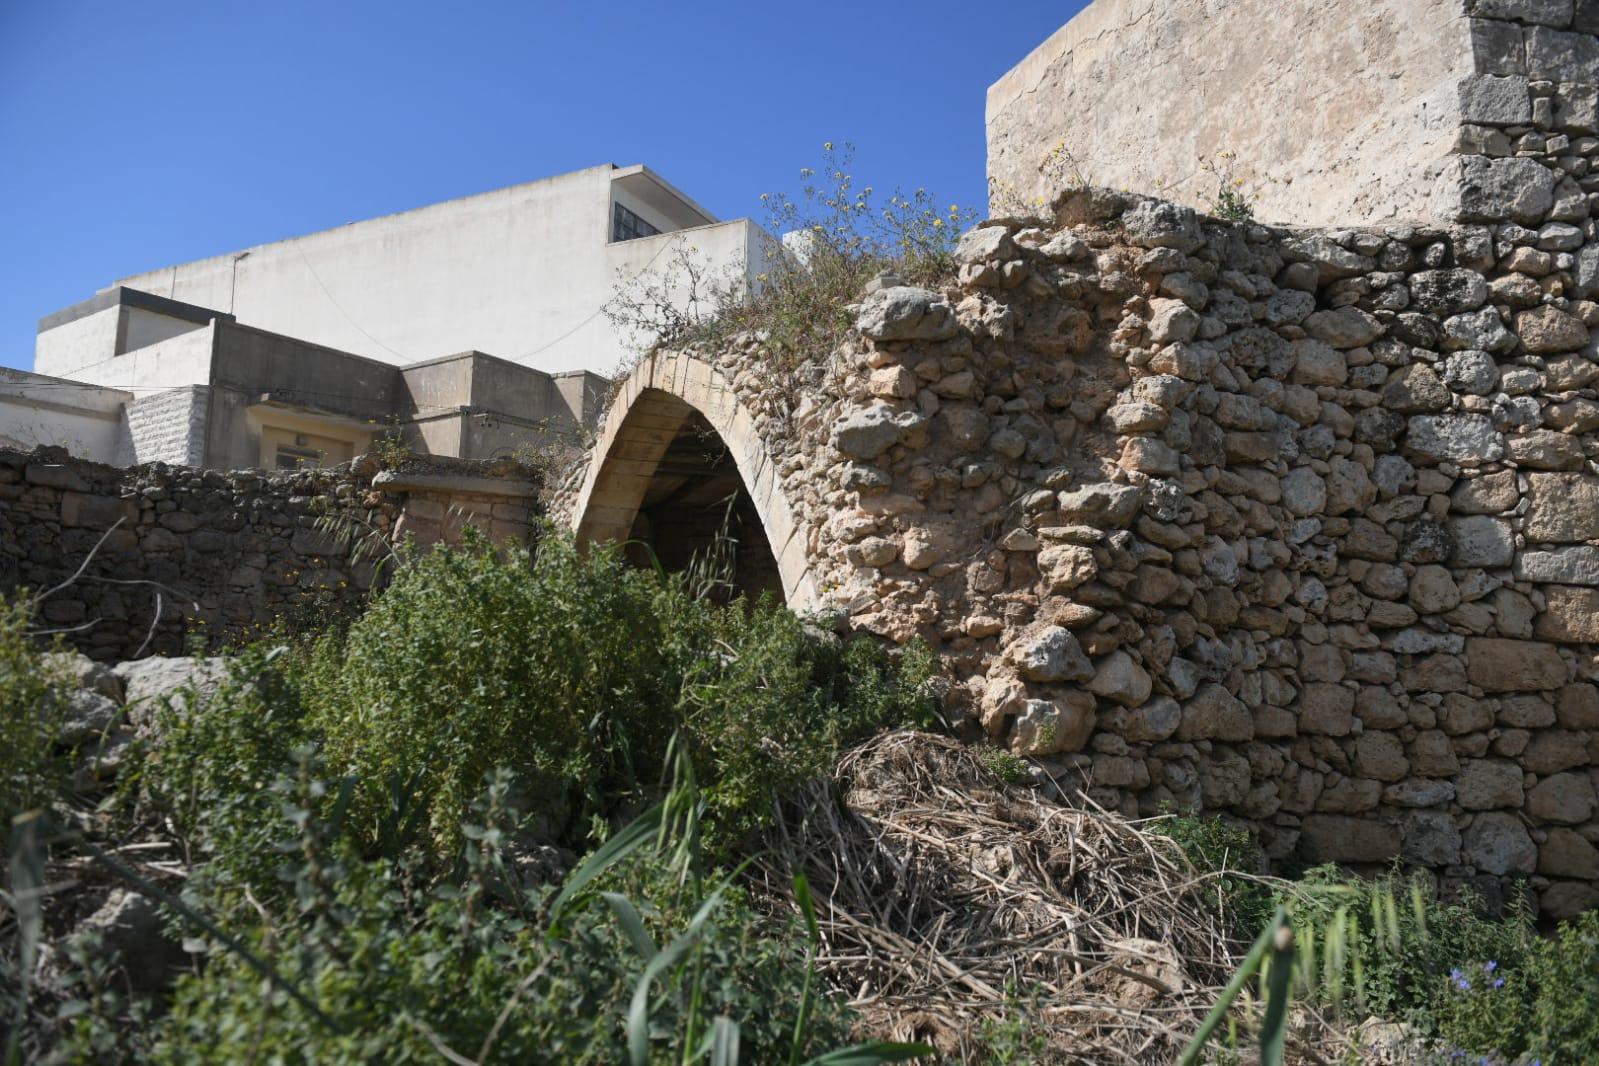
(696, 512)
(680, 466)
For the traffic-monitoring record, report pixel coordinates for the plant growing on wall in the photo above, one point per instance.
(836, 234)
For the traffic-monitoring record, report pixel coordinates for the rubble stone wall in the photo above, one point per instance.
(227, 553)
(1298, 526)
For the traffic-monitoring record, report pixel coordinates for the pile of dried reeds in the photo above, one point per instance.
(951, 904)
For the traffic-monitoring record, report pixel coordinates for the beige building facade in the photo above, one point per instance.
(473, 328)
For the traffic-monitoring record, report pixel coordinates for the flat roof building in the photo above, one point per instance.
(472, 327)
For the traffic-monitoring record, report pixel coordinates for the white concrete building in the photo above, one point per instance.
(473, 326)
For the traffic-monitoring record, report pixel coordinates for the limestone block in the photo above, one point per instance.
(1497, 843)
(1052, 654)
(1498, 665)
(1464, 438)
(1338, 838)
(1562, 508)
(1047, 727)
(1119, 678)
(1565, 853)
(904, 313)
(1571, 615)
(1430, 838)
(1549, 329)
(1484, 784)
(1481, 540)
(1566, 799)
(1475, 188)
(1213, 713)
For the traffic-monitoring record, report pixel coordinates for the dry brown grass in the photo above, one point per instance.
(944, 897)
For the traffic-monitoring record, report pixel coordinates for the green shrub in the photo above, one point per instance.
(1542, 1002)
(212, 761)
(32, 700)
(393, 972)
(564, 668)
(770, 704)
(1228, 851)
(574, 670)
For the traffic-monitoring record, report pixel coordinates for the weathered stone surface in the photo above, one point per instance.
(1548, 329)
(1497, 843)
(1215, 714)
(1337, 838)
(1566, 799)
(1561, 566)
(147, 682)
(1567, 899)
(1119, 678)
(1478, 189)
(1562, 508)
(1463, 438)
(1570, 616)
(1345, 327)
(1052, 654)
(1430, 838)
(1488, 783)
(1160, 224)
(906, 313)
(1481, 540)
(1153, 721)
(1047, 727)
(132, 932)
(1565, 853)
(1499, 665)
(1326, 709)
(870, 431)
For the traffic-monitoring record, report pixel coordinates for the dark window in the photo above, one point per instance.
(626, 226)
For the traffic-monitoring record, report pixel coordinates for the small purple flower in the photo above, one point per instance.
(1490, 966)
(1459, 980)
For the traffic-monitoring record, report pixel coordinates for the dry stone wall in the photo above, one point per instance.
(227, 553)
(1298, 526)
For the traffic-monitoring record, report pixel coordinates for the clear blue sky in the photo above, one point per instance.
(133, 135)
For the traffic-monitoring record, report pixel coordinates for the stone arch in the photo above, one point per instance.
(662, 396)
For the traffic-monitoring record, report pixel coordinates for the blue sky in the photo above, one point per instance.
(133, 135)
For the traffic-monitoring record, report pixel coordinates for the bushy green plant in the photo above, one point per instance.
(212, 761)
(484, 969)
(1227, 851)
(573, 669)
(1541, 1003)
(562, 666)
(1007, 768)
(32, 701)
(771, 703)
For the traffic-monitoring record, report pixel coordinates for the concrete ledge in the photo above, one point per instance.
(400, 481)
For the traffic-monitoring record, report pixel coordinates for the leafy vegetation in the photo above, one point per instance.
(1389, 947)
(837, 235)
(32, 701)
(378, 822)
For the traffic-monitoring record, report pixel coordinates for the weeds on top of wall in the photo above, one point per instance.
(837, 234)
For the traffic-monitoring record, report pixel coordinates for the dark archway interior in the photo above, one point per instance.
(697, 508)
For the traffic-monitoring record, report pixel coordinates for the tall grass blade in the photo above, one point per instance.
(1280, 970)
(632, 925)
(638, 1014)
(1246, 970)
(724, 1041)
(27, 884)
(636, 833)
